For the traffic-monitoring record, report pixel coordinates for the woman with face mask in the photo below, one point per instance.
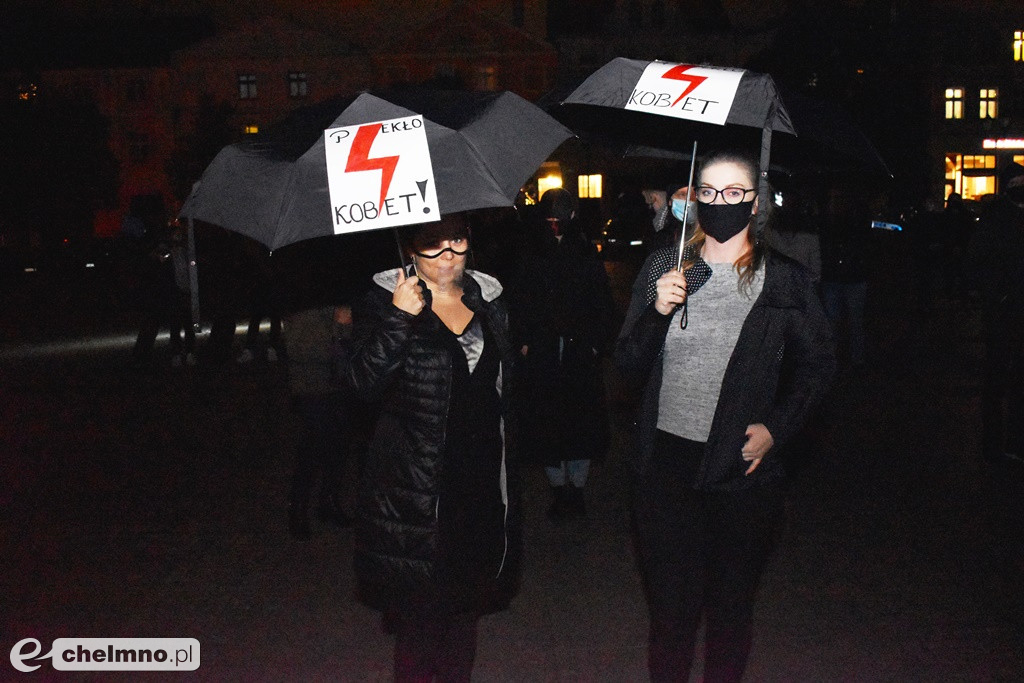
(736, 352)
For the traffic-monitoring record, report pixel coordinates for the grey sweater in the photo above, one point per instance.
(695, 358)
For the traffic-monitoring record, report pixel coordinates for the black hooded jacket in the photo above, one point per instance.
(396, 360)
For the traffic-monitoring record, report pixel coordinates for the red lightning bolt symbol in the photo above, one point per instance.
(359, 158)
(678, 73)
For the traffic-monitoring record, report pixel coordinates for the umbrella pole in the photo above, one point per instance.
(398, 242)
(193, 274)
(686, 207)
(762, 181)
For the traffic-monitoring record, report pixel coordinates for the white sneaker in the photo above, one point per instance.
(271, 356)
(245, 357)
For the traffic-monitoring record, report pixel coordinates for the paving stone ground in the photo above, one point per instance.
(153, 505)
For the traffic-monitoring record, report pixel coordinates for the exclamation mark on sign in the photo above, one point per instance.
(422, 185)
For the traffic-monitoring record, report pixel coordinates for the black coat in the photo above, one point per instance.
(564, 314)
(780, 369)
(397, 360)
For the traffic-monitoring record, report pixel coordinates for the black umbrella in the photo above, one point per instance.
(663, 105)
(483, 146)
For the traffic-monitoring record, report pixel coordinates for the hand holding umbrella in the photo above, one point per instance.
(408, 296)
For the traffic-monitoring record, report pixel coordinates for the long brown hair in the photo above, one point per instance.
(753, 256)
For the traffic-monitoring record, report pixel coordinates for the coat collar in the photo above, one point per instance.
(488, 286)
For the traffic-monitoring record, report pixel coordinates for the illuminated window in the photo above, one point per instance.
(1018, 46)
(246, 86)
(988, 103)
(251, 129)
(298, 85)
(970, 185)
(979, 161)
(1018, 159)
(590, 186)
(548, 182)
(954, 103)
(486, 78)
(977, 186)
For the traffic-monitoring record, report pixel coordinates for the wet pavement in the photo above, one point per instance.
(154, 505)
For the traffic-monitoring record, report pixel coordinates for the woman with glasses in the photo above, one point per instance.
(436, 535)
(736, 352)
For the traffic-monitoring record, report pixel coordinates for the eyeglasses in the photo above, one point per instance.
(730, 195)
(435, 250)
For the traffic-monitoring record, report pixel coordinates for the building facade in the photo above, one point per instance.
(234, 84)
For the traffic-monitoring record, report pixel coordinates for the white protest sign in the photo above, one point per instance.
(698, 93)
(380, 176)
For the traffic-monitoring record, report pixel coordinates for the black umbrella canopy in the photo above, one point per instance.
(820, 137)
(483, 146)
(756, 103)
(679, 107)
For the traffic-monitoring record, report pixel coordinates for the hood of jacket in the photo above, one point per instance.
(490, 288)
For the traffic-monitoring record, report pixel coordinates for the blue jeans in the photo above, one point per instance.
(576, 471)
(844, 301)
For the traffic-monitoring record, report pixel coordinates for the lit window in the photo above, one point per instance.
(1018, 159)
(988, 103)
(977, 186)
(246, 86)
(954, 103)
(298, 85)
(547, 182)
(970, 186)
(486, 78)
(251, 129)
(979, 161)
(590, 186)
(1018, 46)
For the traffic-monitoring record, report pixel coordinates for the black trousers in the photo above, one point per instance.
(1002, 397)
(431, 640)
(702, 556)
(322, 448)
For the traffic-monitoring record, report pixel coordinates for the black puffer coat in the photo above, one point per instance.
(396, 359)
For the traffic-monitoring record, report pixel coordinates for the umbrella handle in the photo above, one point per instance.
(686, 207)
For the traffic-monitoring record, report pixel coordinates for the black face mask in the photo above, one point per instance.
(724, 221)
(1015, 194)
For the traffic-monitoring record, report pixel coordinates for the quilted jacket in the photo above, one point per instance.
(397, 361)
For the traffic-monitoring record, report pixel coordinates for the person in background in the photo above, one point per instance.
(563, 321)
(317, 336)
(736, 352)
(995, 269)
(845, 239)
(264, 302)
(668, 205)
(155, 291)
(437, 540)
(183, 333)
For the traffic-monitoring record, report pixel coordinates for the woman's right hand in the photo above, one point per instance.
(408, 296)
(671, 292)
